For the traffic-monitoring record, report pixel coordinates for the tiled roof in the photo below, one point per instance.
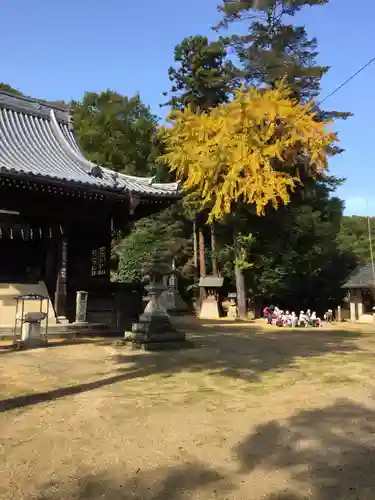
(37, 139)
(211, 281)
(361, 277)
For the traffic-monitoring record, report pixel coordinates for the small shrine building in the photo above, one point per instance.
(361, 294)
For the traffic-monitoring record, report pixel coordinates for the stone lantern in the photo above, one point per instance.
(154, 330)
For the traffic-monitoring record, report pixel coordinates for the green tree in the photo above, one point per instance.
(354, 236)
(117, 132)
(273, 48)
(166, 232)
(202, 77)
(293, 257)
(4, 87)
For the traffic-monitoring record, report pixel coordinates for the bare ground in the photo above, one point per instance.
(250, 413)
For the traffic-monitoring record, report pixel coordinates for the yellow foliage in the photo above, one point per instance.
(251, 149)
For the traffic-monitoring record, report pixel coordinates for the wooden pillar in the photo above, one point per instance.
(62, 279)
(195, 250)
(50, 257)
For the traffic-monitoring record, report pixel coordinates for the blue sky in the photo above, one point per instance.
(60, 49)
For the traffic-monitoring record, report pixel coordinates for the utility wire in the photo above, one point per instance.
(371, 251)
(337, 89)
(342, 85)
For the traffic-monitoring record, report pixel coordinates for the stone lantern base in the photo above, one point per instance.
(154, 330)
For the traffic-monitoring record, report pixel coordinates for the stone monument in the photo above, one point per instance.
(232, 306)
(154, 330)
(81, 307)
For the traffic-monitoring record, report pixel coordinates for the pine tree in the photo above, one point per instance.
(273, 48)
(203, 77)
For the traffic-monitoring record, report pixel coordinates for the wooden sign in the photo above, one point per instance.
(64, 260)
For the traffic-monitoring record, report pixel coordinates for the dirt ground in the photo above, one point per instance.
(249, 413)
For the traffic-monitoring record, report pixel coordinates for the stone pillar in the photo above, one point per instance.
(61, 282)
(353, 306)
(81, 307)
(339, 314)
(359, 303)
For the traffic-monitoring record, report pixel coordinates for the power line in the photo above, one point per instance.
(337, 89)
(370, 243)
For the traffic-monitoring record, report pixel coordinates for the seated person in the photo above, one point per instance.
(302, 319)
(313, 319)
(293, 320)
(329, 315)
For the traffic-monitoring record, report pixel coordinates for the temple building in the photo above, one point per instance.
(59, 212)
(360, 285)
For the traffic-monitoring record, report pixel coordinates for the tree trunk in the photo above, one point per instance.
(202, 261)
(240, 282)
(195, 250)
(202, 253)
(213, 248)
(241, 293)
(196, 265)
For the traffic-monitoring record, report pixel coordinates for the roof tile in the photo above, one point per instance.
(37, 139)
(361, 277)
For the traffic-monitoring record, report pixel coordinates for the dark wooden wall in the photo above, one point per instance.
(75, 221)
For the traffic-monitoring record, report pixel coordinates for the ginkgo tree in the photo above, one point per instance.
(254, 150)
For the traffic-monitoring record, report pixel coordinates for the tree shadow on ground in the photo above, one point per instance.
(326, 454)
(329, 451)
(11, 348)
(161, 483)
(240, 354)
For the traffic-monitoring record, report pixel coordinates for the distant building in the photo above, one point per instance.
(361, 293)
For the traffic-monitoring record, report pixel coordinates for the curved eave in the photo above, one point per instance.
(36, 141)
(357, 286)
(69, 185)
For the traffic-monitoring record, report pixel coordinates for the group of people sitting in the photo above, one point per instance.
(278, 317)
